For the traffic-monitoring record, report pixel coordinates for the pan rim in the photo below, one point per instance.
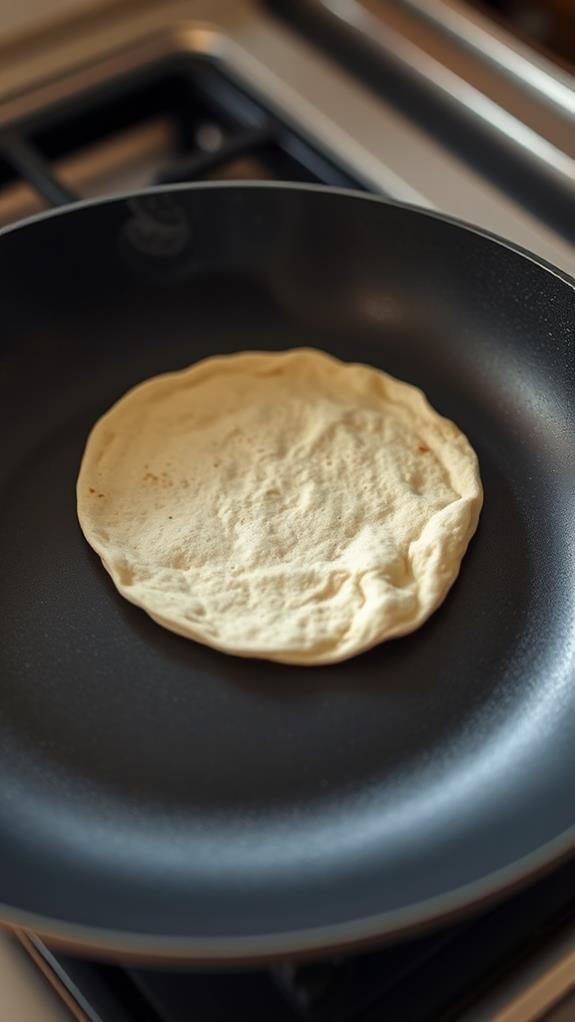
(296, 186)
(353, 934)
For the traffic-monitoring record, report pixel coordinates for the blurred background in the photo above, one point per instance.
(459, 105)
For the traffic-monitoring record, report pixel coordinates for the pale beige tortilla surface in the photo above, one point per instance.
(280, 505)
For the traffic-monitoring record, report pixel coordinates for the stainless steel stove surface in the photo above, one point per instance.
(548, 25)
(142, 93)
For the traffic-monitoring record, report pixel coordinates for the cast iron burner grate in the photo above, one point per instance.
(214, 130)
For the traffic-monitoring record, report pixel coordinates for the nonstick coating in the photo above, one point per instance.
(157, 796)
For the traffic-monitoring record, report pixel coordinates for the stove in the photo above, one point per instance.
(395, 95)
(420, 102)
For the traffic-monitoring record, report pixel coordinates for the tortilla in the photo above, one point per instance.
(282, 505)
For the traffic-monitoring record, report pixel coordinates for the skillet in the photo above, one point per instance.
(160, 798)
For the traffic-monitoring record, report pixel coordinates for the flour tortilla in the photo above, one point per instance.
(283, 505)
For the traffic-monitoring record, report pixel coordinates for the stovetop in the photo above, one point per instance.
(431, 116)
(247, 97)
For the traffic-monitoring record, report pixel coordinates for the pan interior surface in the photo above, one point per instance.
(155, 787)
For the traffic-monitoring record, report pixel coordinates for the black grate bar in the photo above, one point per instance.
(31, 165)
